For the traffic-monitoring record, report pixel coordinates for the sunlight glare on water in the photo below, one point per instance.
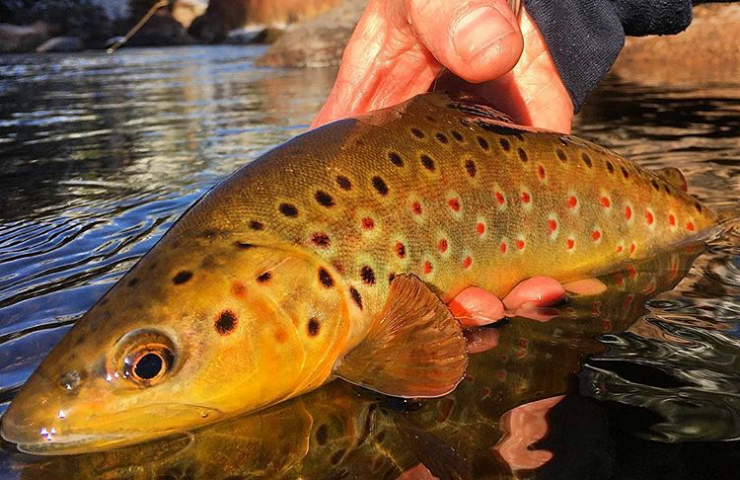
(102, 153)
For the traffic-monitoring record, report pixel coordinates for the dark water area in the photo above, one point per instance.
(100, 154)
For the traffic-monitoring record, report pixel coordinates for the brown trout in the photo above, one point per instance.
(332, 256)
(335, 432)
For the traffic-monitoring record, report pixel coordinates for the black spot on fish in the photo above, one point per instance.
(356, 297)
(244, 245)
(698, 207)
(380, 185)
(133, 282)
(225, 322)
(655, 185)
(264, 278)
(587, 160)
(522, 154)
(255, 225)
(609, 166)
(313, 327)
(457, 136)
(325, 278)
(625, 173)
(561, 155)
(505, 144)
(288, 210)
(428, 163)
(182, 277)
(322, 435)
(483, 143)
(395, 159)
(391, 277)
(417, 133)
(320, 239)
(368, 276)
(442, 138)
(344, 183)
(471, 168)
(324, 198)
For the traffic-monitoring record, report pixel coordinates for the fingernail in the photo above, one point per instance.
(478, 30)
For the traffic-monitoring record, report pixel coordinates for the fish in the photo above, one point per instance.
(333, 256)
(340, 431)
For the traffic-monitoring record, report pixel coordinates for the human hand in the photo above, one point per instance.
(400, 47)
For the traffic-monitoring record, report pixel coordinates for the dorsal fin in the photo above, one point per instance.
(415, 349)
(673, 176)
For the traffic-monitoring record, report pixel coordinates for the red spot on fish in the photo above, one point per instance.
(428, 267)
(502, 247)
(541, 172)
(480, 228)
(620, 248)
(627, 212)
(572, 202)
(467, 262)
(443, 245)
(690, 226)
(519, 244)
(628, 301)
(607, 325)
(368, 223)
(552, 225)
(650, 288)
(672, 220)
(400, 250)
(501, 375)
(620, 280)
(606, 202)
(416, 208)
(633, 247)
(454, 204)
(500, 198)
(238, 289)
(596, 235)
(632, 271)
(526, 198)
(649, 218)
(571, 244)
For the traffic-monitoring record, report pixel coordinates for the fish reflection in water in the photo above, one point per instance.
(510, 415)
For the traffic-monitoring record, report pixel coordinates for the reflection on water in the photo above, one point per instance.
(100, 154)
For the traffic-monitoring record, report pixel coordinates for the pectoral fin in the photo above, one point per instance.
(415, 349)
(674, 177)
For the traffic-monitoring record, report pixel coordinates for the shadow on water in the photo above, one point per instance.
(101, 154)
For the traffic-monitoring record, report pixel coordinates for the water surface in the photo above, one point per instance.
(100, 154)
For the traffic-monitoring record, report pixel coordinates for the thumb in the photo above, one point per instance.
(478, 40)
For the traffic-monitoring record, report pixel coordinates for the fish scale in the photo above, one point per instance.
(331, 255)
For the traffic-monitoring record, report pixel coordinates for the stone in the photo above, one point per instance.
(18, 39)
(61, 44)
(707, 52)
(318, 42)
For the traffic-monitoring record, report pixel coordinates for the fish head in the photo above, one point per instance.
(183, 340)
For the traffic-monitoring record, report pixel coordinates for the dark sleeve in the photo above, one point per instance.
(585, 36)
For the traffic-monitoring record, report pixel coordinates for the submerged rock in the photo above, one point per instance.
(318, 42)
(61, 44)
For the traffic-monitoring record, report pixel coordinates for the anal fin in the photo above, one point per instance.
(415, 348)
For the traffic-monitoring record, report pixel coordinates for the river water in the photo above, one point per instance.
(100, 154)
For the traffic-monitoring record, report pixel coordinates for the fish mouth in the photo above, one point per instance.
(102, 433)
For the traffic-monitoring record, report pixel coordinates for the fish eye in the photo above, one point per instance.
(148, 364)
